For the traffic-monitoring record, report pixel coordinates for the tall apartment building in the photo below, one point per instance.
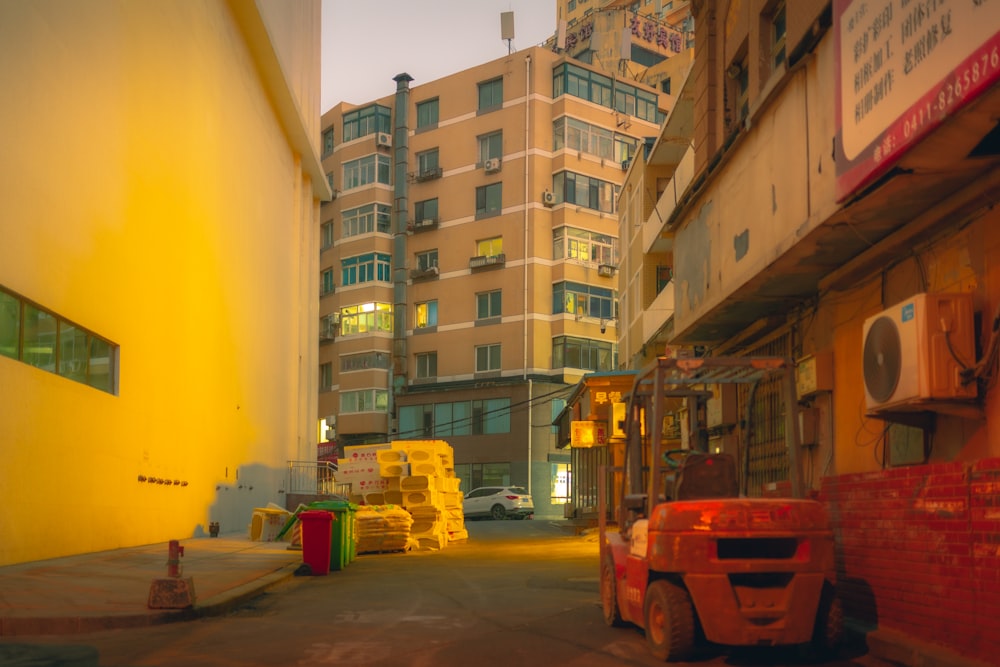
(469, 258)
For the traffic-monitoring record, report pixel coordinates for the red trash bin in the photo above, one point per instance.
(317, 530)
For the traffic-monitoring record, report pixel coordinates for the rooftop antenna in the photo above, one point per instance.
(507, 28)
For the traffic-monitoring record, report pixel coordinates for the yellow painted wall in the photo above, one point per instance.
(149, 193)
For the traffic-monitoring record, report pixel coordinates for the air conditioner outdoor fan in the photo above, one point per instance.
(882, 359)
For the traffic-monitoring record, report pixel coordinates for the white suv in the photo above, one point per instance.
(499, 502)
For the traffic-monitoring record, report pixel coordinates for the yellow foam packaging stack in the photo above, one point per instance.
(430, 492)
(381, 528)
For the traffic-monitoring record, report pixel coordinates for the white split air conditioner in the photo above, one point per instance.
(492, 165)
(915, 351)
(383, 139)
(549, 198)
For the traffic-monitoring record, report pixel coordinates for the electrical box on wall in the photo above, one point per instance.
(721, 408)
(814, 374)
(809, 427)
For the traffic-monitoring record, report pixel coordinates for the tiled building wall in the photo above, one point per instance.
(919, 551)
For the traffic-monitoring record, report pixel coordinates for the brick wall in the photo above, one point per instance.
(919, 551)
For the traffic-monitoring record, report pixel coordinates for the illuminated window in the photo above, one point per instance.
(489, 247)
(583, 300)
(426, 314)
(584, 246)
(365, 318)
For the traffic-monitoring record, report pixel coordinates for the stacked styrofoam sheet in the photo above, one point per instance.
(381, 528)
(430, 492)
(360, 468)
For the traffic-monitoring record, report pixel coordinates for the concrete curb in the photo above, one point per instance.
(898, 648)
(216, 605)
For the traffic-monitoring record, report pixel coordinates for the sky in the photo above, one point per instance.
(365, 43)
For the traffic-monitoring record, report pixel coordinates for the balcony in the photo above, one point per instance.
(487, 261)
(423, 225)
(428, 174)
(606, 270)
(424, 274)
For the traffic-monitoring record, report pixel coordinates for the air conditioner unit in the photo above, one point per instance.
(331, 421)
(383, 139)
(492, 165)
(914, 352)
(549, 198)
(607, 270)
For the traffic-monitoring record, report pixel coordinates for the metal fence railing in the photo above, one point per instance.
(314, 478)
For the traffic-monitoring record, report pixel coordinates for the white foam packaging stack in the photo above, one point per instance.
(418, 475)
(430, 492)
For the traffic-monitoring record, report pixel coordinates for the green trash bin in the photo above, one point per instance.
(342, 540)
(352, 542)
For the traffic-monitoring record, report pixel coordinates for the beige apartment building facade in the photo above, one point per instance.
(469, 259)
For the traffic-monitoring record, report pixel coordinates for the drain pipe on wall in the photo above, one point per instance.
(527, 201)
(400, 142)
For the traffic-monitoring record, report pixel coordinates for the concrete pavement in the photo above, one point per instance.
(110, 589)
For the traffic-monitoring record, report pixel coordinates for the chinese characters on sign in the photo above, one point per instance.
(646, 29)
(903, 67)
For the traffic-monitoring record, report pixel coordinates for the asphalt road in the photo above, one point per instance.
(516, 594)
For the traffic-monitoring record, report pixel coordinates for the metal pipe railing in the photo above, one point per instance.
(314, 478)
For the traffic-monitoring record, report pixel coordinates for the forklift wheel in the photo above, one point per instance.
(609, 594)
(669, 621)
(829, 626)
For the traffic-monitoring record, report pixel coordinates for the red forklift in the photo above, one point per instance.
(684, 555)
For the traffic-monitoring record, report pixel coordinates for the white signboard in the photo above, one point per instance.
(903, 67)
